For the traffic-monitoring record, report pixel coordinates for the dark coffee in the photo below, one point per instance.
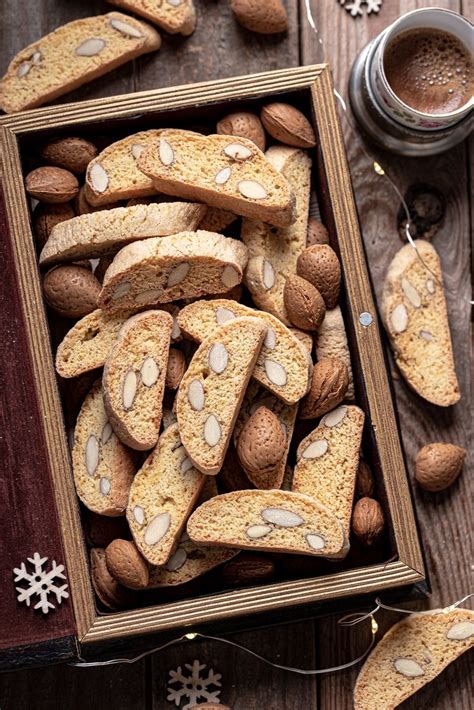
(429, 70)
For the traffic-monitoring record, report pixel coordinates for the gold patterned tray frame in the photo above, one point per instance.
(408, 569)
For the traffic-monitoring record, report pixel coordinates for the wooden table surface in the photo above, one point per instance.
(220, 48)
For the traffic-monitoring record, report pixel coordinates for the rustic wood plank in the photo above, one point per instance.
(444, 518)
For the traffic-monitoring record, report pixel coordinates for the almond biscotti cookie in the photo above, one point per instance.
(212, 389)
(134, 378)
(273, 252)
(416, 318)
(282, 366)
(331, 341)
(103, 467)
(174, 16)
(256, 397)
(410, 655)
(276, 521)
(328, 459)
(162, 495)
(185, 265)
(113, 175)
(220, 171)
(71, 56)
(90, 236)
(86, 346)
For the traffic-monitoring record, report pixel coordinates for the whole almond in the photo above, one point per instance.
(245, 125)
(248, 569)
(71, 290)
(261, 443)
(317, 233)
(51, 185)
(266, 18)
(72, 153)
(320, 266)
(100, 530)
(438, 465)
(110, 592)
(45, 217)
(364, 481)
(176, 369)
(303, 302)
(126, 564)
(368, 520)
(287, 124)
(329, 384)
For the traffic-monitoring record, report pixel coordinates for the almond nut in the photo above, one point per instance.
(408, 667)
(126, 564)
(157, 528)
(222, 176)
(410, 292)
(230, 277)
(276, 373)
(255, 532)
(98, 178)
(212, 431)
(329, 383)
(317, 542)
(72, 153)
(165, 152)
(261, 444)
(252, 189)
(245, 125)
(248, 569)
(238, 151)
(90, 47)
(461, 630)
(335, 417)
(92, 454)
(263, 17)
(178, 274)
(125, 28)
(218, 358)
(51, 185)
(224, 314)
(196, 395)
(438, 465)
(288, 125)
(315, 449)
(364, 481)
(368, 520)
(320, 266)
(282, 518)
(317, 233)
(175, 369)
(129, 390)
(303, 302)
(45, 217)
(399, 318)
(71, 290)
(149, 372)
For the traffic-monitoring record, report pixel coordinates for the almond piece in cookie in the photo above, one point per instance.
(327, 461)
(261, 447)
(162, 495)
(274, 521)
(328, 388)
(416, 319)
(103, 467)
(211, 391)
(185, 265)
(411, 654)
(134, 378)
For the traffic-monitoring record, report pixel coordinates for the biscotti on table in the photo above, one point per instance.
(71, 56)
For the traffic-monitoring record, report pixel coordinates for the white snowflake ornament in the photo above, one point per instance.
(358, 7)
(192, 687)
(41, 583)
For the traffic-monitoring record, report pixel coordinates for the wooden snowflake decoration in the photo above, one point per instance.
(193, 686)
(41, 583)
(358, 7)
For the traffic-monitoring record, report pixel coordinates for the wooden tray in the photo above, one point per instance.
(40, 510)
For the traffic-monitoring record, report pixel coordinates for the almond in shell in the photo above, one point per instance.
(71, 290)
(288, 125)
(261, 444)
(245, 125)
(438, 465)
(51, 185)
(320, 266)
(329, 384)
(303, 302)
(71, 153)
(266, 18)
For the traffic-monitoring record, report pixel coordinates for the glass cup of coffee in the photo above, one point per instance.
(415, 82)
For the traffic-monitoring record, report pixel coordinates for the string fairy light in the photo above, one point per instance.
(349, 620)
(375, 165)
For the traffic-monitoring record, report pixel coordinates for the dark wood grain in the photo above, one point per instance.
(221, 48)
(445, 517)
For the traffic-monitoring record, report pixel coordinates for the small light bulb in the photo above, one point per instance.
(374, 626)
(378, 169)
(191, 636)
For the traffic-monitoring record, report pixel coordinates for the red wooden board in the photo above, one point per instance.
(28, 517)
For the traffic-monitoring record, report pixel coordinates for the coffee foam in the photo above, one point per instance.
(429, 70)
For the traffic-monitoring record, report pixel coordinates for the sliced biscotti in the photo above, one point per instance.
(185, 265)
(273, 252)
(410, 655)
(90, 236)
(86, 346)
(221, 171)
(162, 495)
(212, 389)
(174, 16)
(256, 397)
(328, 459)
(282, 366)
(71, 56)
(331, 341)
(277, 521)
(114, 175)
(103, 467)
(216, 219)
(134, 378)
(416, 318)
